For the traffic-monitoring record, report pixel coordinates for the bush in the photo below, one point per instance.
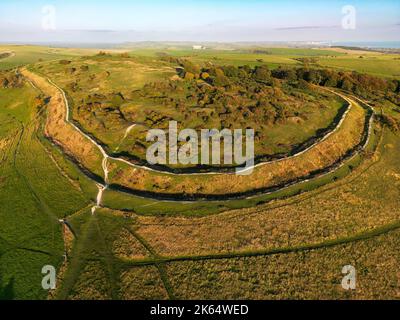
(190, 67)
(390, 122)
(220, 79)
(204, 75)
(189, 76)
(103, 53)
(285, 74)
(262, 73)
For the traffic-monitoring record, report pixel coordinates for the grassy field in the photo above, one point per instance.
(298, 275)
(377, 65)
(290, 244)
(385, 65)
(34, 194)
(110, 76)
(274, 58)
(24, 55)
(337, 210)
(125, 256)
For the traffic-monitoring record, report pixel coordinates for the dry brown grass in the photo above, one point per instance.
(142, 284)
(4, 144)
(68, 238)
(354, 52)
(366, 199)
(92, 284)
(128, 247)
(72, 142)
(306, 275)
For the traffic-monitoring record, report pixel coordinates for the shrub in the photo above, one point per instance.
(390, 122)
(189, 76)
(190, 67)
(204, 75)
(262, 73)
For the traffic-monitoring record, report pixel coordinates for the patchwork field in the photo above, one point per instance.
(375, 63)
(76, 192)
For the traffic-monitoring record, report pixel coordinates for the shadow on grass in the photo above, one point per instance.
(7, 290)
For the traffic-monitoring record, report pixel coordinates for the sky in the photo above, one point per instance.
(100, 21)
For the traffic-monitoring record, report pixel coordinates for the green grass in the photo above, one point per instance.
(129, 74)
(93, 260)
(95, 235)
(25, 55)
(38, 185)
(126, 75)
(33, 196)
(275, 139)
(384, 65)
(106, 75)
(223, 57)
(275, 57)
(381, 66)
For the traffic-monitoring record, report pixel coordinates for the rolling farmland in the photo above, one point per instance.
(76, 191)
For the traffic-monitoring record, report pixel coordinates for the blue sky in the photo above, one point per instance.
(198, 20)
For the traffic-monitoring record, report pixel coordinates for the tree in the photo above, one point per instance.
(220, 79)
(346, 85)
(190, 67)
(231, 71)
(246, 69)
(285, 74)
(262, 73)
(390, 122)
(313, 76)
(331, 81)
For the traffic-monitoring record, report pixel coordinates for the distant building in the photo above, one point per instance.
(199, 47)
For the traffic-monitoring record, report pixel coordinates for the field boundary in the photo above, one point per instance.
(269, 252)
